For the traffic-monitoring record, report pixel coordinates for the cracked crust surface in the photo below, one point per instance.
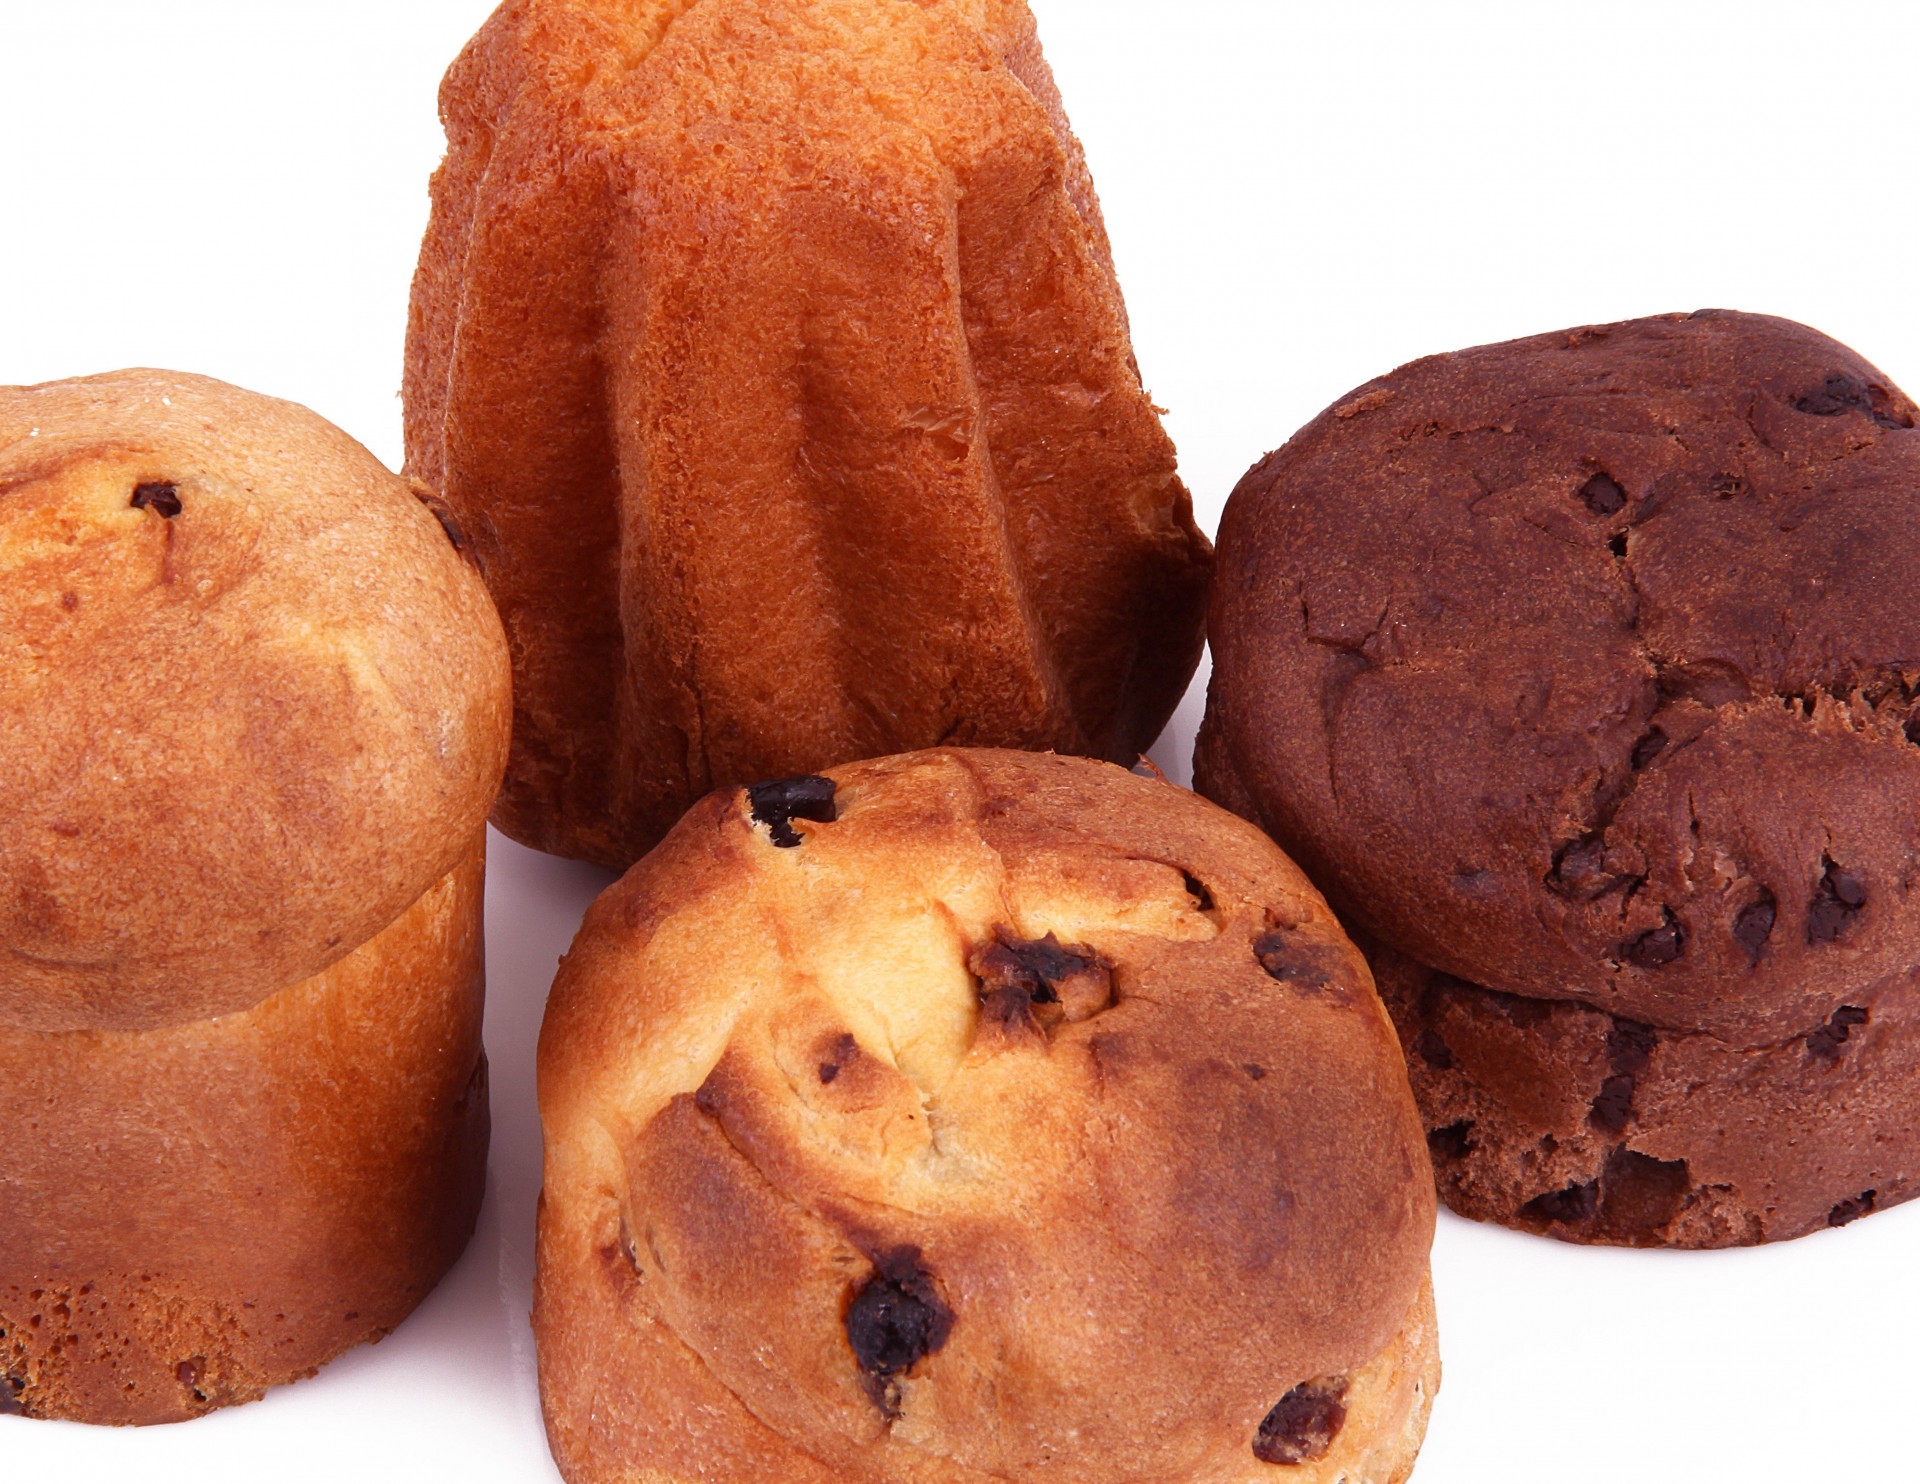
(771, 353)
(251, 702)
(1583, 669)
(1024, 1117)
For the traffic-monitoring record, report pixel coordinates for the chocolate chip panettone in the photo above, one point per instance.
(1581, 672)
(971, 1116)
(253, 709)
(770, 353)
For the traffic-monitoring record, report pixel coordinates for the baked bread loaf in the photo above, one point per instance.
(976, 1115)
(771, 355)
(253, 709)
(1580, 671)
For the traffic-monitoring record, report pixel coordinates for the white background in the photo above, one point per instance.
(1301, 196)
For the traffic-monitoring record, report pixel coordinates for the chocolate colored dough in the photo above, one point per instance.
(1580, 672)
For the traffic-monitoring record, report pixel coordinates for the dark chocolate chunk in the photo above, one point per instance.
(1657, 946)
(1254, 1070)
(1837, 900)
(1826, 1042)
(1040, 979)
(1603, 495)
(808, 797)
(1574, 1204)
(1629, 1048)
(1612, 1106)
(1433, 1050)
(1309, 967)
(829, 1070)
(1303, 1423)
(1754, 925)
(162, 498)
(896, 1319)
(1580, 870)
(1841, 393)
(11, 1387)
(1455, 1141)
(1851, 1209)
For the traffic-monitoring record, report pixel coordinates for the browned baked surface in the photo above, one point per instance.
(246, 717)
(1582, 668)
(197, 1212)
(1028, 1119)
(253, 708)
(770, 352)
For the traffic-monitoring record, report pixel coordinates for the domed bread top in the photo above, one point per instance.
(988, 1114)
(773, 353)
(1585, 666)
(252, 701)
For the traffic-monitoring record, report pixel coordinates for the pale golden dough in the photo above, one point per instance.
(767, 1073)
(253, 709)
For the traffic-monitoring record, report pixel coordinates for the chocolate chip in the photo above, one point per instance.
(829, 1070)
(808, 797)
(1754, 925)
(1648, 748)
(1311, 968)
(845, 1049)
(1841, 393)
(1040, 980)
(896, 1320)
(1826, 1042)
(1603, 495)
(1852, 1209)
(1580, 870)
(157, 495)
(1303, 1423)
(1254, 1070)
(11, 1387)
(1837, 900)
(1434, 1051)
(1657, 946)
(1574, 1204)
(1455, 1141)
(1613, 1106)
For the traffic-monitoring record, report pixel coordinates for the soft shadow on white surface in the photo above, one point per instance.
(1300, 196)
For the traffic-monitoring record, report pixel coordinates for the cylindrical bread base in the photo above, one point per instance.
(192, 1214)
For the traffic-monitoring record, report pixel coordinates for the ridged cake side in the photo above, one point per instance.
(772, 355)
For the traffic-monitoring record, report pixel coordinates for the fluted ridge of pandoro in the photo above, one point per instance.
(770, 354)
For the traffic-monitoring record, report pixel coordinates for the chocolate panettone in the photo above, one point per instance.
(972, 1116)
(1581, 672)
(770, 354)
(253, 709)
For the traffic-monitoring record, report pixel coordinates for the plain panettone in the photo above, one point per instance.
(977, 1115)
(771, 354)
(253, 710)
(1580, 671)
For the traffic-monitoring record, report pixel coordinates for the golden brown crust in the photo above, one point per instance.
(793, 432)
(246, 717)
(1150, 1200)
(197, 1212)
